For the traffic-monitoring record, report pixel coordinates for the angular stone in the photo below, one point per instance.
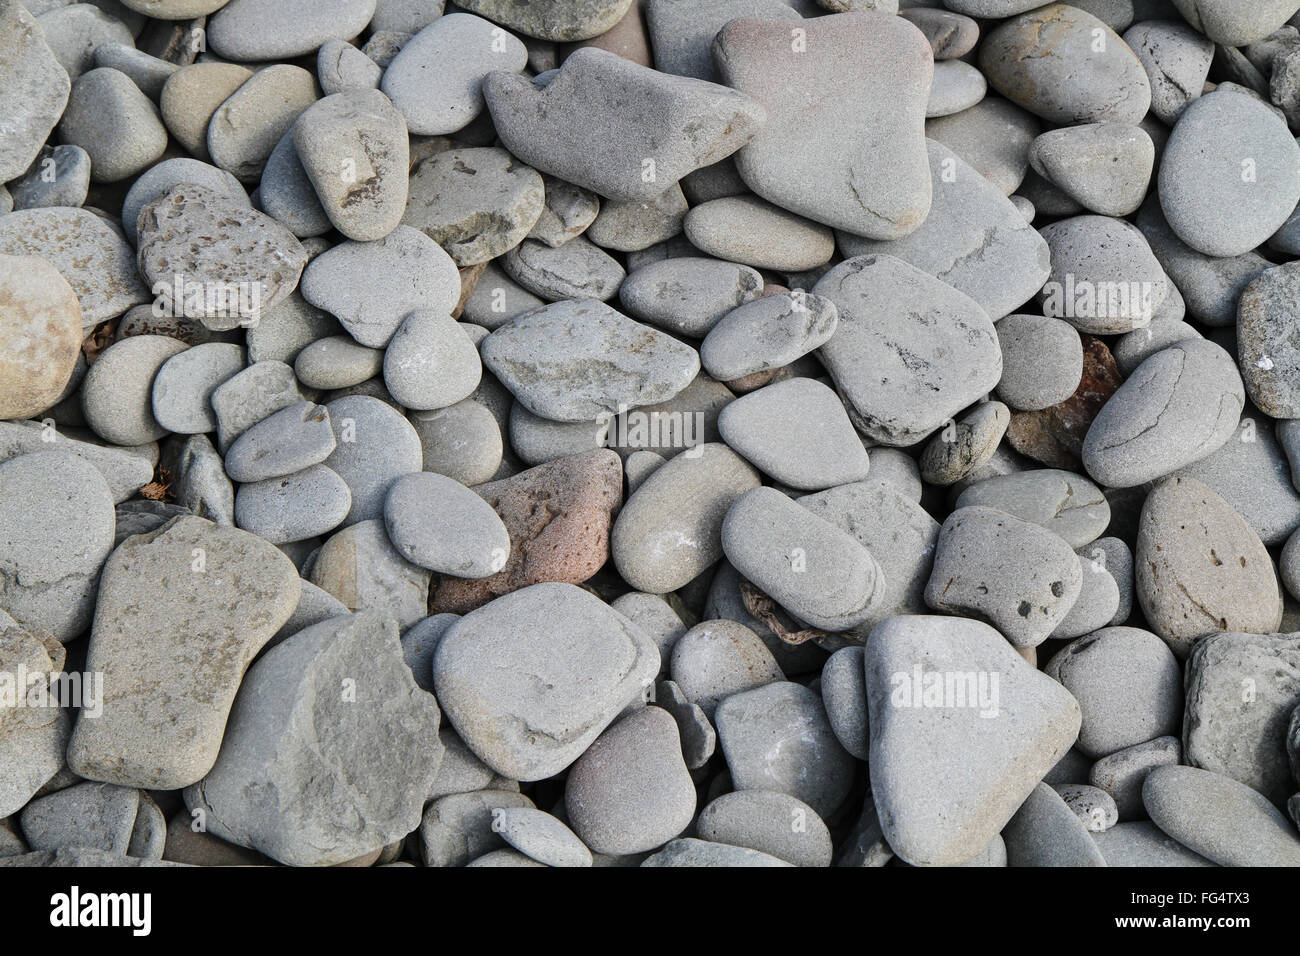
(33, 89)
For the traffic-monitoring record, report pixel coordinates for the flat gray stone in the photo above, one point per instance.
(33, 92)
(58, 176)
(688, 295)
(247, 397)
(287, 195)
(96, 815)
(255, 30)
(767, 333)
(691, 852)
(576, 270)
(844, 695)
(749, 230)
(541, 837)
(375, 446)
(1063, 502)
(135, 138)
(286, 329)
(294, 507)
(634, 225)
(1104, 167)
(557, 20)
(1046, 832)
(341, 66)
(125, 469)
(715, 659)
(1122, 773)
(181, 395)
(359, 566)
(439, 524)
(1177, 61)
(1142, 843)
(199, 483)
(956, 86)
(248, 124)
(430, 362)
(337, 361)
(773, 823)
(462, 441)
(116, 394)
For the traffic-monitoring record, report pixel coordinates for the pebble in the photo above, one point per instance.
(1241, 692)
(251, 395)
(257, 30)
(1232, 24)
(844, 695)
(34, 93)
(797, 433)
(161, 177)
(810, 765)
(945, 779)
(1141, 843)
(457, 828)
(1230, 174)
(497, 299)
(293, 507)
(125, 470)
(337, 361)
(1223, 820)
(812, 162)
(957, 86)
(1105, 167)
(1064, 503)
(94, 815)
(134, 140)
(1019, 576)
(74, 31)
(1178, 406)
(567, 211)
(1042, 361)
(688, 295)
(747, 230)
(767, 333)
(430, 362)
(360, 567)
(993, 137)
(1065, 65)
(691, 852)
(462, 441)
(441, 525)
(181, 613)
(909, 352)
(770, 822)
(657, 618)
(89, 253)
(363, 798)
(531, 680)
(558, 20)
(597, 361)
(576, 270)
(1122, 773)
(715, 659)
(341, 66)
(248, 124)
(1095, 807)
(375, 446)
(1046, 832)
(370, 287)
(951, 35)
(1269, 362)
(540, 836)
(699, 739)
(181, 395)
(1177, 61)
(116, 393)
(192, 95)
(59, 176)
(1200, 568)
(476, 203)
(964, 446)
(40, 325)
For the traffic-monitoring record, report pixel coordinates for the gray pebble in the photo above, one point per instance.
(73, 31)
(251, 30)
(376, 446)
(993, 137)
(1144, 844)
(181, 395)
(1042, 361)
(116, 393)
(1105, 167)
(1122, 773)
(285, 329)
(844, 695)
(688, 295)
(337, 361)
(462, 441)
(773, 823)
(1177, 61)
(715, 659)
(698, 853)
(96, 815)
(1095, 807)
(699, 739)
(419, 644)
(440, 524)
(305, 504)
(125, 469)
(281, 444)
(59, 176)
(35, 90)
(171, 172)
(749, 230)
(767, 333)
(286, 192)
(246, 398)
(1047, 832)
(457, 828)
(198, 481)
(568, 210)
(540, 836)
(497, 299)
(341, 66)
(963, 446)
(576, 270)
(430, 362)
(633, 225)
(245, 128)
(1063, 502)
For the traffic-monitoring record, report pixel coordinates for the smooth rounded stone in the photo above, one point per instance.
(360, 566)
(34, 91)
(86, 250)
(1098, 603)
(885, 522)
(54, 539)
(685, 124)
(1017, 575)
(293, 736)
(1092, 805)
(681, 32)
(1065, 65)
(909, 352)
(497, 299)
(192, 95)
(1128, 686)
(993, 137)
(148, 73)
(688, 295)
(1267, 356)
(1042, 361)
(337, 361)
(439, 524)
(457, 828)
(844, 695)
(114, 123)
(656, 617)
(818, 572)
(1230, 174)
(558, 516)
(558, 20)
(95, 815)
(1251, 473)
(1024, 207)
(1200, 568)
(897, 470)
(247, 125)
(74, 31)
(1063, 502)
(956, 86)
(950, 35)
(341, 66)
(266, 30)
(372, 286)
(567, 211)
(1225, 821)
(181, 613)
(597, 362)
(1180, 405)
(680, 424)
(125, 469)
(40, 326)
(1241, 692)
(32, 758)
(223, 260)
(634, 225)
(715, 659)
(295, 507)
(1104, 278)
(630, 791)
(774, 823)
(796, 432)
(812, 162)
(964, 445)
(540, 837)
(476, 203)
(354, 148)
(1105, 167)
(160, 178)
(670, 530)
(405, 16)
(246, 398)
(810, 764)
(1113, 556)
(1211, 286)
(539, 440)
(748, 230)
(116, 393)
(376, 445)
(767, 333)
(430, 362)
(1134, 348)
(286, 329)
(1176, 59)
(945, 778)
(58, 176)
(181, 395)
(973, 239)
(1122, 773)
(1142, 843)
(419, 644)
(1234, 24)
(1289, 564)
(530, 680)
(286, 192)
(576, 270)
(462, 441)
(690, 852)
(1046, 832)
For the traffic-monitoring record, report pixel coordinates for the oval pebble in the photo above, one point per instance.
(441, 525)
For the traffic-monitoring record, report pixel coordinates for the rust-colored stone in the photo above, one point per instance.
(1054, 436)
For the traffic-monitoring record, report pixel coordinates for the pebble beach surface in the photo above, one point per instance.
(668, 433)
